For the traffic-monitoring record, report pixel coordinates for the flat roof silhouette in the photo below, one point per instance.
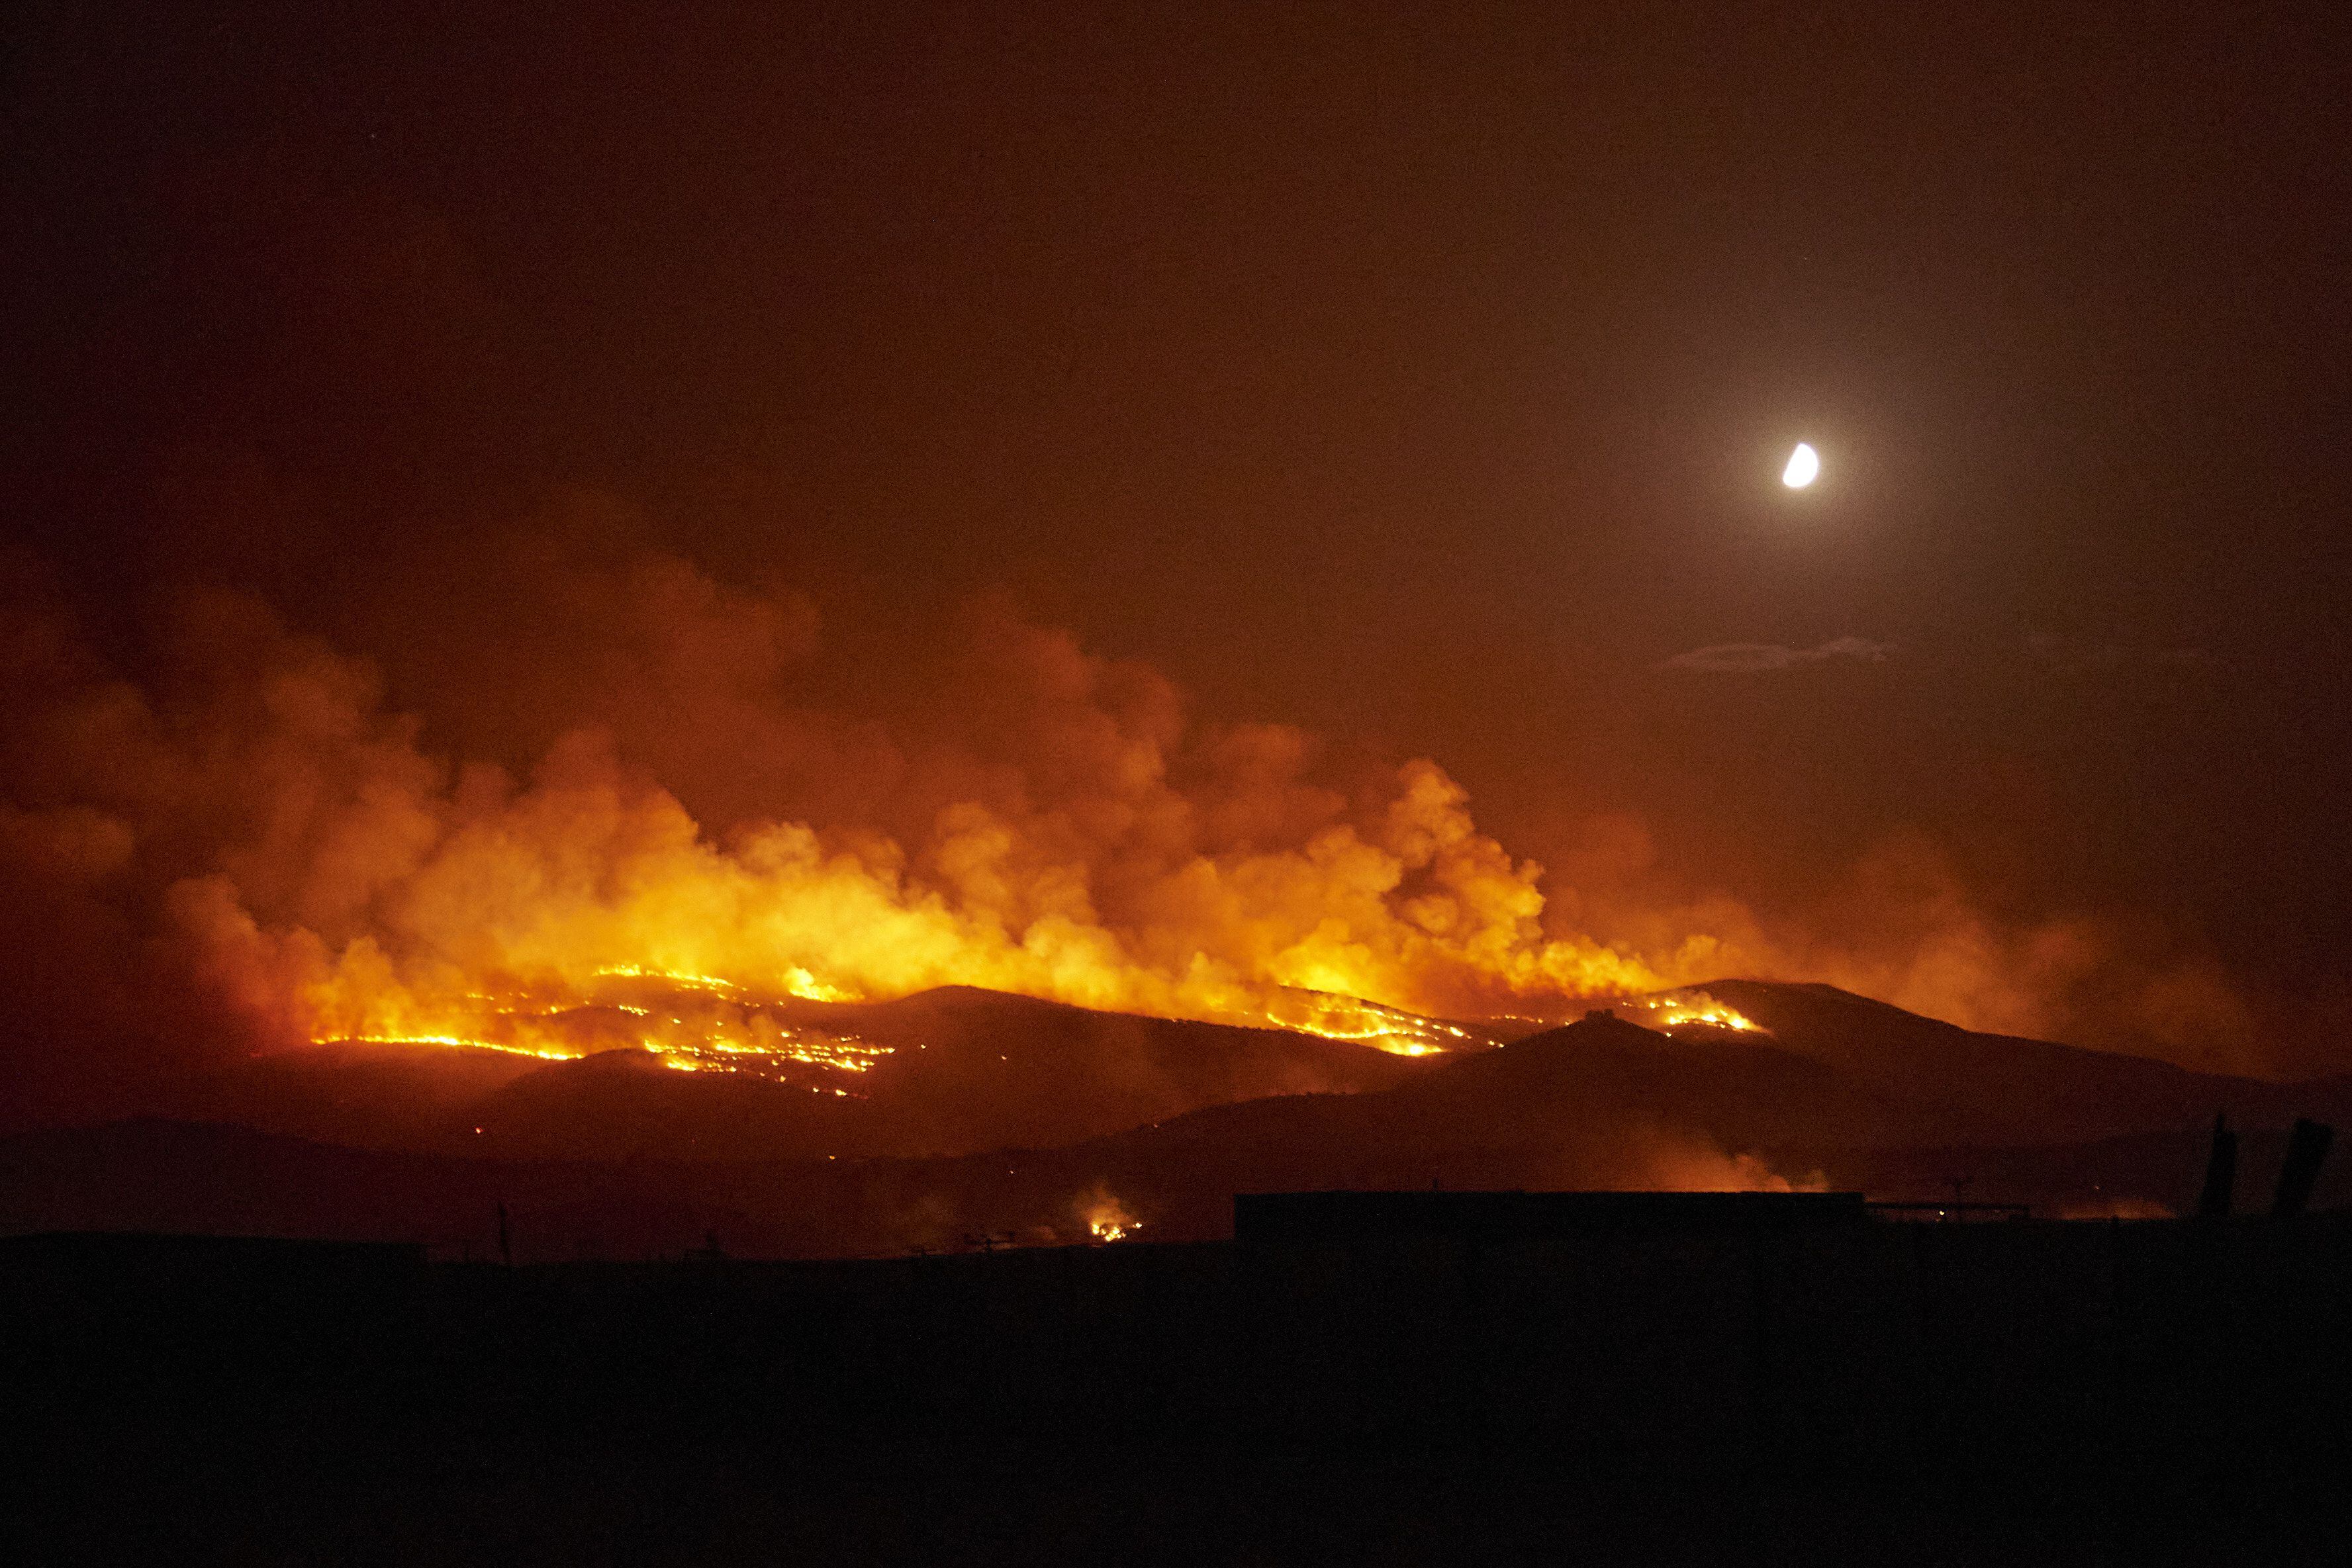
(167, 1250)
(1262, 1218)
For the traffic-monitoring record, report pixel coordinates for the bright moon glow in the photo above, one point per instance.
(1804, 467)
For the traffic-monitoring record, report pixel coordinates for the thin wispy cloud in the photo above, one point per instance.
(1763, 658)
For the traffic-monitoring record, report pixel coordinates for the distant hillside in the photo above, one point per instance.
(965, 1070)
(2028, 1091)
(995, 1115)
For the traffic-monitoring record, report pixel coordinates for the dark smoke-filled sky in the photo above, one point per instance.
(843, 413)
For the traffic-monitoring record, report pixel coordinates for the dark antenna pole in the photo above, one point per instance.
(506, 1246)
(2306, 1147)
(2220, 1173)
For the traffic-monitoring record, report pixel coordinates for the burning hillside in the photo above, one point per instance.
(292, 862)
(247, 846)
(999, 1116)
(529, 913)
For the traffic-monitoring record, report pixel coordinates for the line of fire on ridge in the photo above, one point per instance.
(694, 1022)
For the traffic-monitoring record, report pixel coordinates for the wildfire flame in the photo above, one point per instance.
(1391, 1030)
(1108, 1220)
(321, 878)
(1669, 1010)
(526, 931)
(698, 1023)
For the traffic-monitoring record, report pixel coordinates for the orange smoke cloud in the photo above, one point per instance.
(250, 846)
(1903, 924)
(262, 817)
(1690, 1165)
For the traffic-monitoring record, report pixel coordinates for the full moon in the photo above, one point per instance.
(1804, 468)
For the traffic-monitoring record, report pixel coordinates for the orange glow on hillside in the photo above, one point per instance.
(1398, 1032)
(1670, 1010)
(1108, 1220)
(318, 877)
(586, 916)
(697, 1023)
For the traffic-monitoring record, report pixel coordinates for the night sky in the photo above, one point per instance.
(1420, 377)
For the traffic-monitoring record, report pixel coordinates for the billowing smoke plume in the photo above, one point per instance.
(250, 847)
(619, 768)
(1905, 924)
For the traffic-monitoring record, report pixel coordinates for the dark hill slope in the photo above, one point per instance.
(2031, 1091)
(967, 1070)
(1599, 1104)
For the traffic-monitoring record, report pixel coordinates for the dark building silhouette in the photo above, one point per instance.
(2221, 1172)
(2306, 1150)
(1272, 1217)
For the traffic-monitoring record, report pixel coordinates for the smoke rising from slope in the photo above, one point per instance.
(253, 842)
(250, 846)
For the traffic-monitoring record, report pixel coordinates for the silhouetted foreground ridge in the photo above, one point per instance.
(1649, 1359)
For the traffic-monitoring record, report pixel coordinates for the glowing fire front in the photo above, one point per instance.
(1107, 1218)
(1398, 1032)
(584, 919)
(1671, 1010)
(694, 1022)
(1114, 858)
(675, 856)
(691, 1023)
